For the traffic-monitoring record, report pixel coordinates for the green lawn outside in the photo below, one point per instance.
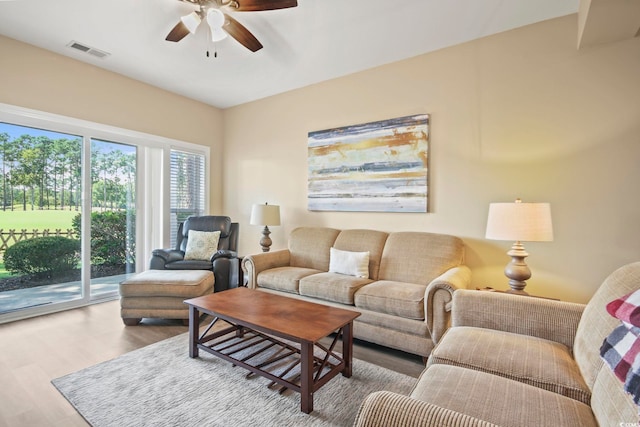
(33, 220)
(36, 219)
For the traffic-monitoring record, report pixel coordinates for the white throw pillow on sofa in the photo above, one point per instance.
(351, 263)
(201, 245)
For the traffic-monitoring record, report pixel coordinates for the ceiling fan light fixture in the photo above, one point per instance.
(215, 19)
(218, 34)
(209, 10)
(191, 21)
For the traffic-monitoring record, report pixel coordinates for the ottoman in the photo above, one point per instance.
(161, 294)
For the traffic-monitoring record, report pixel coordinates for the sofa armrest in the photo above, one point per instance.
(224, 253)
(385, 408)
(252, 265)
(226, 272)
(161, 257)
(438, 297)
(539, 317)
(169, 255)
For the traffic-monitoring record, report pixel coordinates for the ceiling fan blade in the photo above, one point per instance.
(241, 34)
(258, 5)
(177, 33)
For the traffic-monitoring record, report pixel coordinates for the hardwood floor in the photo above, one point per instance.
(35, 351)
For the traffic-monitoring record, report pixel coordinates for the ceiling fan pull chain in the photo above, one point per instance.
(209, 41)
(215, 51)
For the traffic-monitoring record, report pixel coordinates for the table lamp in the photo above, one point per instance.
(520, 222)
(265, 215)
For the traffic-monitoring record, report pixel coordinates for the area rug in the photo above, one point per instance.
(159, 385)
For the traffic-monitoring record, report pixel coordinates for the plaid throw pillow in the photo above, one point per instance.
(621, 349)
(626, 308)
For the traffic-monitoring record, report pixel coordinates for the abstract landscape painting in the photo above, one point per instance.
(373, 167)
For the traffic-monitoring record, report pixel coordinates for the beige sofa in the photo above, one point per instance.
(514, 361)
(412, 276)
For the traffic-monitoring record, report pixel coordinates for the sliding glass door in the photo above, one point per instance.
(43, 225)
(82, 205)
(40, 204)
(113, 215)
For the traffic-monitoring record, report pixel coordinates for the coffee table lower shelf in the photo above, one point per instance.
(300, 366)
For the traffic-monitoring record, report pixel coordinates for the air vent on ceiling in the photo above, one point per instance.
(88, 49)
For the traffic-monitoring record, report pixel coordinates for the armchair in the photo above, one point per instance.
(224, 263)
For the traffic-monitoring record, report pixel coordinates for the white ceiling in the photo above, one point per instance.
(316, 41)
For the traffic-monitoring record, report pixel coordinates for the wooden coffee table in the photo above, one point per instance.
(294, 325)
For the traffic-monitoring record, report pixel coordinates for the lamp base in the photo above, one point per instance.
(517, 292)
(265, 242)
(517, 270)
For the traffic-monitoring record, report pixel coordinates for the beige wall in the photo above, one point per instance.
(41, 80)
(520, 114)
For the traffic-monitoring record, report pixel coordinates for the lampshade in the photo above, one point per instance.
(265, 215)
(191, 21)
(523, 222)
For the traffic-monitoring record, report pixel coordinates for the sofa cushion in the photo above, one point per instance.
(396, 298)
(499, 400)
(190, 264)
(535, 361)
(349, 263)
(286, 279)
(332, 287)
(416, 257)
(309, 247)
(358, 240)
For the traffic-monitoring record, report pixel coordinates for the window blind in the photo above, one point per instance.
(187, 188)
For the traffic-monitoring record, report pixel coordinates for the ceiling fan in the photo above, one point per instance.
(220, 23)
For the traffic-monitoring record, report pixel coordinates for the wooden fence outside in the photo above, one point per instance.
(9, 237)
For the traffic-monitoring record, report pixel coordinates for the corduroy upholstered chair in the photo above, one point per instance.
(510, 360)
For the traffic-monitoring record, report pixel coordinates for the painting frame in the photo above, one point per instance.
(380, 166)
